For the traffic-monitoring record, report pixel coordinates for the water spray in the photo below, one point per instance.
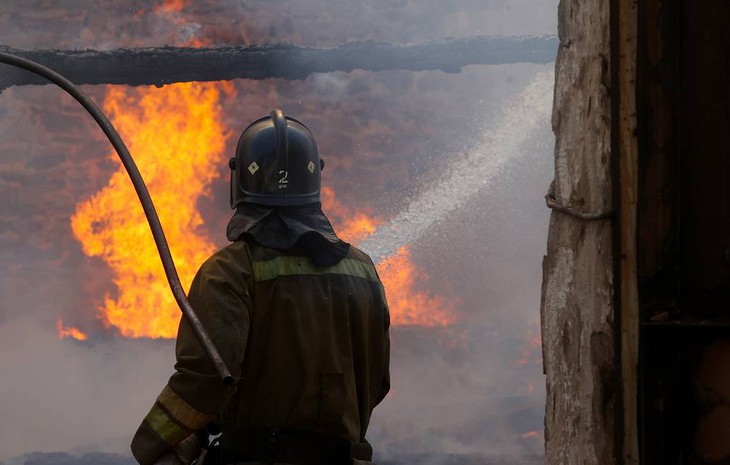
(140, 187)
(468, 173)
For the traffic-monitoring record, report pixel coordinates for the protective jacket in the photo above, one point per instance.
(307, 344)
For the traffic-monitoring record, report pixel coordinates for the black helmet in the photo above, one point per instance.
(276, 164)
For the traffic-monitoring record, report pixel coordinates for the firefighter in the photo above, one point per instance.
(298, 315)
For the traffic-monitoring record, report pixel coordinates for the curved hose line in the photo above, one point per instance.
(144, 197)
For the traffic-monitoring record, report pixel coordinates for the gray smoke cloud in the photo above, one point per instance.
(472, 390)
(59, 395)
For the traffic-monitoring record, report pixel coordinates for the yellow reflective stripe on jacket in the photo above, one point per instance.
(181, 411)
(164, 426)
(291, 266)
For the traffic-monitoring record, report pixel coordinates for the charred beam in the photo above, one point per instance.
(165, 65)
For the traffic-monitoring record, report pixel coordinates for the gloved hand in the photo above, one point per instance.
(169, 458)
(188, 449)
(183, 453)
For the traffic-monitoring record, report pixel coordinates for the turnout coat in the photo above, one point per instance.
(308, 346)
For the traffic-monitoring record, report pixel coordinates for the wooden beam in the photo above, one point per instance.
(165, 65)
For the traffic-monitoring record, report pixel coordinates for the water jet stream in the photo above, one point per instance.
(469, 172)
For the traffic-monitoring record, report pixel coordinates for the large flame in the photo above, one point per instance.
(177, 138)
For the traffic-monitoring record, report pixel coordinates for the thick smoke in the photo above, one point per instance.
(473, 390)
(323, 23)
(483, 395)
(63, 396)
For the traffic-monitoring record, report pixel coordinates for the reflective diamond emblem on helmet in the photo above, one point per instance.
(253, 168)
(311, 167)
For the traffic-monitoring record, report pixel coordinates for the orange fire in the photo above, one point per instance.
(351, 226)
(70, 331)
(530, 435)
(399, 274)
(532, 348)
(408, 306)
(177, 138)
(170, 6)
(188, 33)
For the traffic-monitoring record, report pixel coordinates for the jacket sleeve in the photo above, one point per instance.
(385, 381)
(194, 395)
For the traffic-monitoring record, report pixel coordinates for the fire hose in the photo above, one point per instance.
(144, 197)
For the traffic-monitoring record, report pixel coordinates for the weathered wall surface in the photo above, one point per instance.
(577, 295)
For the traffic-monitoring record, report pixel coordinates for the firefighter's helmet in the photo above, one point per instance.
(276, 164)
